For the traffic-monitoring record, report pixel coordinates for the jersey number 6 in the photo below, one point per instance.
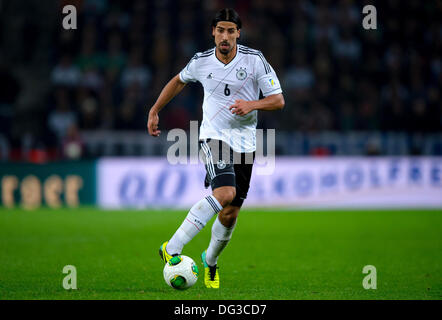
(227, 90)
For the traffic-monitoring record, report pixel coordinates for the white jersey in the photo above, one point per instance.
(242, 78)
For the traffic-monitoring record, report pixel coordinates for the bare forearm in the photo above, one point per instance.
(269, 103)
(172, 88)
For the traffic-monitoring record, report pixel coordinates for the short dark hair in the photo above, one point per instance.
(227, 14)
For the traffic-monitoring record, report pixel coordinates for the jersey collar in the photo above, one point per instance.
(232, 62)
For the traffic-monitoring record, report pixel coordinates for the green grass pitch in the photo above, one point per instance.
(274, 254)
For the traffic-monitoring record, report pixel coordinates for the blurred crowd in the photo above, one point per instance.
(335, 74)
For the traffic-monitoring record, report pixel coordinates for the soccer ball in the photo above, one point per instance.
(181, 272)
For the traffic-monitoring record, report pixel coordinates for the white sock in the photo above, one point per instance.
(196, 219)
(220, 238)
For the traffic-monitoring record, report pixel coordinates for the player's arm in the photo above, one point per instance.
(172, 88)
(269, 103)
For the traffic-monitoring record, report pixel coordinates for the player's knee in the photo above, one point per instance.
(225, 195)
(229, 215)
(228, 197)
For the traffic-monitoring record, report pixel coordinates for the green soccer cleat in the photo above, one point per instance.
(211, 274)
(163, 253)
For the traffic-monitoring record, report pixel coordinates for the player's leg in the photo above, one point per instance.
(223, 184)
(222, 230)
(197, 217)
(221, 235)
(225, 223)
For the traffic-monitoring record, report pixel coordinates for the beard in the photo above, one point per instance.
(224, 50)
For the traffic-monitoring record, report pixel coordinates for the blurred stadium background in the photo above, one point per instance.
(70, 96)
(362, 128)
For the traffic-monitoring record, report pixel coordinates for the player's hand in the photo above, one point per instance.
(152, 124)
(241, 107)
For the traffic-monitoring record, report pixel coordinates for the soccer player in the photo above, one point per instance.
(232, 76)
